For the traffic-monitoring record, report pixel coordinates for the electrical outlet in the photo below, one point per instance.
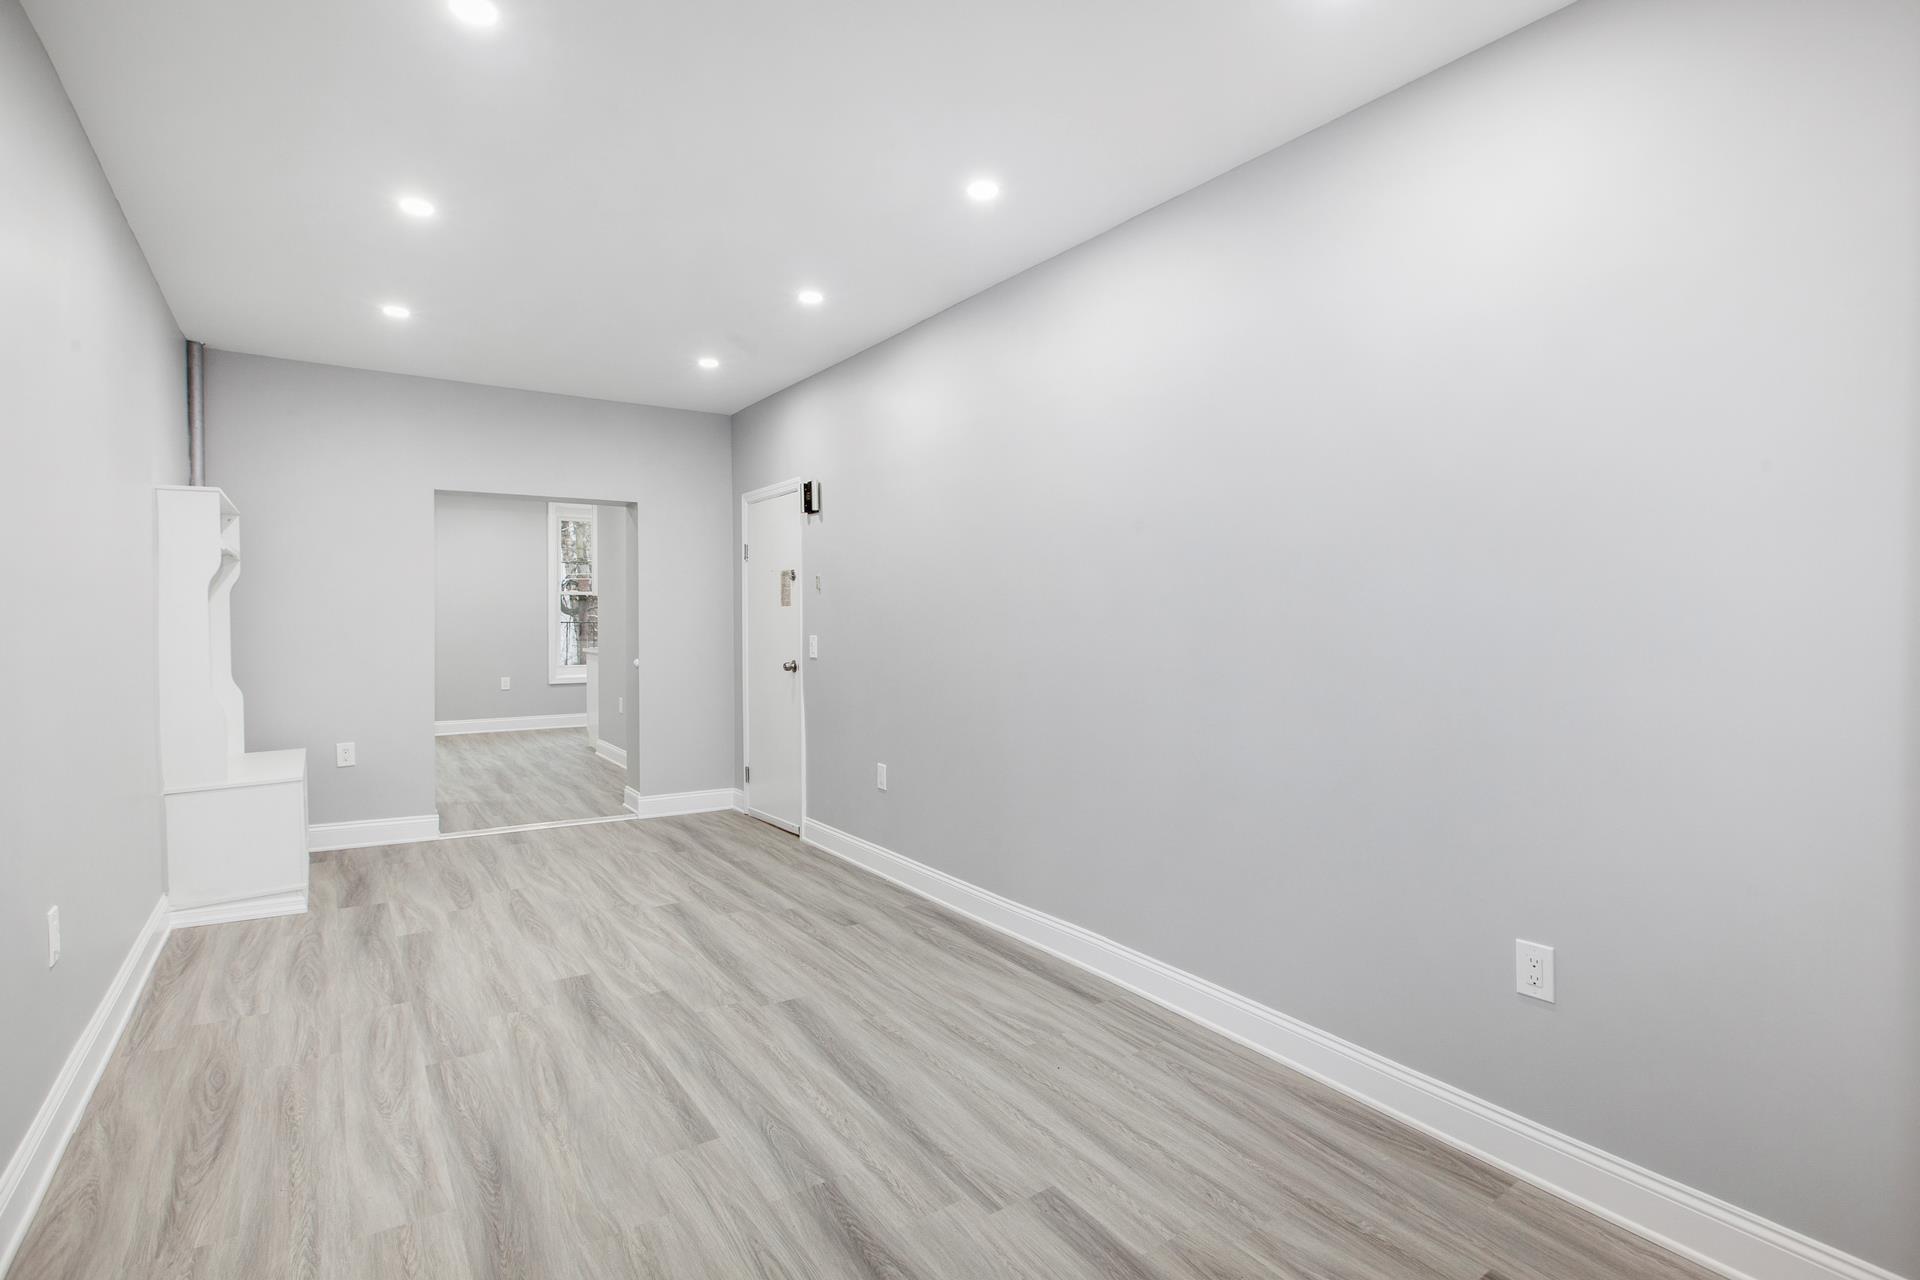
(880, 776)
(506, 682)
(813, 646)
(343, 755)
(53, 936)
(1533, 969)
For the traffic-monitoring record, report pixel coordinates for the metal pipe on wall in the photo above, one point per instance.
(196, 413)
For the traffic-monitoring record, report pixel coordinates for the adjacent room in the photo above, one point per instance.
(1035, 641)
(532, 650)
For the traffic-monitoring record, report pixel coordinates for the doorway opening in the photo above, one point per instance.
(535, 624)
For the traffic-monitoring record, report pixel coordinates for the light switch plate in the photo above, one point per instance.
(813, 646)
(53, 936)
(880, 776)
(506, 682)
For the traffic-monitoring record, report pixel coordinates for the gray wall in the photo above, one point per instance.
(335, 470)
(618, 536)
(490, 613)
(1490, 516)
(92, 407)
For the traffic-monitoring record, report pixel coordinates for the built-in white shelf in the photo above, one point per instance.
(236, 819)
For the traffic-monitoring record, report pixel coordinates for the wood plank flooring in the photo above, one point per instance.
(487, 780)
(693, 1047)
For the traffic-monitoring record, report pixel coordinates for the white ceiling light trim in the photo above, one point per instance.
(396, 310)
(416, 206)
(983, 190)
(708, 362)
(810, 297)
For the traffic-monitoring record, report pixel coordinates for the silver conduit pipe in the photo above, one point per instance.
(196, 413)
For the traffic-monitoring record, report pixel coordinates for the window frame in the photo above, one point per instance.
(557, 673)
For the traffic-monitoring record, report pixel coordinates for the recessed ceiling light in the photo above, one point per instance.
(811, 297)
(475, 13)
(708, 362)
(395, 311)
(981, 190)
(416, 206)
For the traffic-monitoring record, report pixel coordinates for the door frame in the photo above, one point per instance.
(779, 490)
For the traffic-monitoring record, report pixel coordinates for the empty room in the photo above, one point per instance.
(990, 641)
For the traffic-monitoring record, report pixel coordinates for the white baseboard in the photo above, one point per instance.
(607, 751)
(290, 902)
(28, 1174)
(666, 806)
(510, 724)
(1710, 1231)
(367, 832)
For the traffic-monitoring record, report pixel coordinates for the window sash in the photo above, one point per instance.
(567, 637)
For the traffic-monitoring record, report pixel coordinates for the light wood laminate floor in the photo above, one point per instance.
(692, 1048)
(487, 780)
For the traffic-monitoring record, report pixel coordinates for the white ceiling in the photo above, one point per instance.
(625, 185)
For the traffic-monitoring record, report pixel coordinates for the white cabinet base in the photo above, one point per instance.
(242, 839)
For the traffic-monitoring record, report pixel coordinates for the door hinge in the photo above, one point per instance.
(744, 550)
(749, 772)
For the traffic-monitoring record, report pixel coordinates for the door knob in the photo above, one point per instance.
(789, 665)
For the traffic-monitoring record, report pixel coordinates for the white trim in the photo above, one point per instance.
(610, 753)
(363, 834)
(678, 802)
(1708, 1230)
(30, 1170)
(747, 499)
(511, 724)
(288, 902)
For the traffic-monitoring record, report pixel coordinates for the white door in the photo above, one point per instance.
(771, 683)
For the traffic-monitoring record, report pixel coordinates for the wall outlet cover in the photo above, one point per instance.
(1533, 969)
(506, 682)
(343, 756)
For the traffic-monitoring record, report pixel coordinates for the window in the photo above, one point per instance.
(573, 602)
